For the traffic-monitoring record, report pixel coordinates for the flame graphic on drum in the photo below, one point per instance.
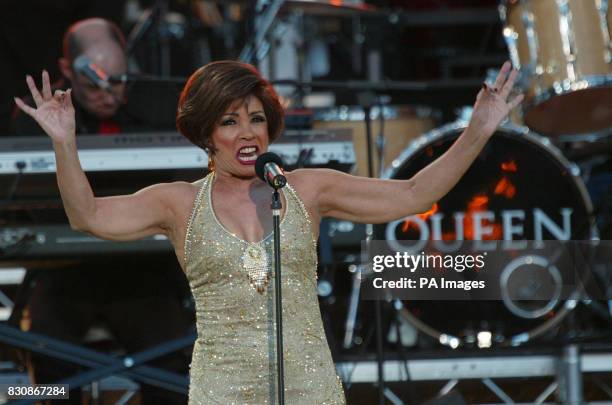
(480, 203)
(509, 166)
(409, 224)
(505, 187)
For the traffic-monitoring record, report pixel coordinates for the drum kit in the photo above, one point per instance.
(564, 52)
(528, 171)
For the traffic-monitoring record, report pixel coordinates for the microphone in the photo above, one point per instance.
(269, 168)
(86, 67)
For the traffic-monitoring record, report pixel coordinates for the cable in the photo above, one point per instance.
(20, 165)
(12, 247)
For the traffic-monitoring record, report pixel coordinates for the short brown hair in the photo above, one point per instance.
(212, 89)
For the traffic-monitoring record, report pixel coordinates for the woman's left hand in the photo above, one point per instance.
(492, 105)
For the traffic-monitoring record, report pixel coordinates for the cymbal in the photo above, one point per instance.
(337, 8)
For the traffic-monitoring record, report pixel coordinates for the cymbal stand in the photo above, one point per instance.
(263, 23)
(154, 21)
(380, 138)
(367, 100)
(351, 316)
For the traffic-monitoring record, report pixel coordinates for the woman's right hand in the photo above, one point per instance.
(54, 112)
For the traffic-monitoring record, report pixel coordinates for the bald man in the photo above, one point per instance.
(98, 111)
(103, 43)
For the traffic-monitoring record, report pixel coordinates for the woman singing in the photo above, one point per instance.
(220, 226)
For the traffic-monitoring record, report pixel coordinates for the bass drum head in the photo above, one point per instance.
(519, 171)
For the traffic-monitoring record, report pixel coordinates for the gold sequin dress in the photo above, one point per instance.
(234, 358)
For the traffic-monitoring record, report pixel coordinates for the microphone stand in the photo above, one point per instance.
(367, 100)
(276, 213)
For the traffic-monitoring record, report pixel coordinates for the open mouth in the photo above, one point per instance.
(247, 155)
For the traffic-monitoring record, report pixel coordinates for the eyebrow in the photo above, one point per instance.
(235, 114)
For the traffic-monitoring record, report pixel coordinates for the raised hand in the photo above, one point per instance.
(54, 113)
(492, 105)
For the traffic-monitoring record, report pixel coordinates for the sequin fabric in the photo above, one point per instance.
(234, 357)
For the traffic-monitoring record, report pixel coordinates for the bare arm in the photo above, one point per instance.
(374, 201)
(135, 216)
(361, 199)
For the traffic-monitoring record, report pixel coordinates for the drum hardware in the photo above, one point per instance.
(155, 21)
(570, 376)
(284, 57)
(295, 48)
(351, 317)
(591, 154)
(592, 137)
(112, 390)
(605, 22)
(367, 100)
(325, 280)
(264, 20)
(402, 333)
(357, 271)
(282, 46)
(603, 311)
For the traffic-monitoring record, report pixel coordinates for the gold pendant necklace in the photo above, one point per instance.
(255, 262)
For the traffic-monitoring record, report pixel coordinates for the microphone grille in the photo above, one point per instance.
(268, 157)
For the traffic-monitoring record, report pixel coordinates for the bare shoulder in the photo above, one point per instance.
(312, 181)
(180, 195)
(309, 183)
(172, 193)
(175, 199)
(302, 180)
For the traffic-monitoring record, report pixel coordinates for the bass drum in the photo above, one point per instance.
(519, 172)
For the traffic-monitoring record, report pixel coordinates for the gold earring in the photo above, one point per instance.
(211, 163)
